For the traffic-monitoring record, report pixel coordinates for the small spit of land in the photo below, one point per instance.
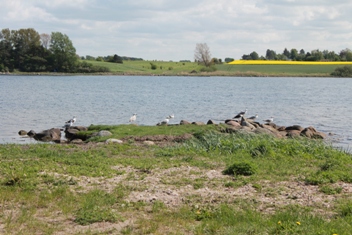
(180, 179)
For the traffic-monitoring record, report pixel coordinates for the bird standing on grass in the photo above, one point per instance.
(133, 118)
(164, 122)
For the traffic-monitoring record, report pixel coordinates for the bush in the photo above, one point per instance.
(208, 69)
(241, 168)
(153, 66)
(85, 67)
(345, 71)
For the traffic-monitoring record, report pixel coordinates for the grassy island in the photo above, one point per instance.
(176, 180)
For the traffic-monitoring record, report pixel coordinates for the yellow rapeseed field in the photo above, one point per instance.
(286, 62)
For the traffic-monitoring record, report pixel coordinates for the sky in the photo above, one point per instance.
(170, 29)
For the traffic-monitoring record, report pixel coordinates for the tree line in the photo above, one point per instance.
(28, 51)
(301, 55)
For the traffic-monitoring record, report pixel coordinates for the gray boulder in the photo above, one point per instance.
(184, 122)
(198, 123)
(22, 132)
(53, 134)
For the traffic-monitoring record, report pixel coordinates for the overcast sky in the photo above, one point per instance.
(170, 29)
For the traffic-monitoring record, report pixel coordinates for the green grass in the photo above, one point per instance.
(94, 188)
(280, 70)
(145, 68)
(185, 68)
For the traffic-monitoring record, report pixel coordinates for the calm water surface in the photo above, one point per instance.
(43, 102)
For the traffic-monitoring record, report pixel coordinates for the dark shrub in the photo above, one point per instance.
(241, 168)
(345, 71)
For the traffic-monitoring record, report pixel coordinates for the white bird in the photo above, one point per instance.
(72, 120)
(164, 122)
(133, 118)
(240, 114)
(170, 116)
(269, 120)
(253, 117)
(68, 124)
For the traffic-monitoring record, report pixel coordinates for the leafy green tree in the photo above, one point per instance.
(330, 56)
(20, 47)
(254, 55)
(6, 51)
(246, 57)
(63, 52)
(270, 55)
(346, 55)
(287, 53)
(294, 54)
(227, 59)
(317, 55)
(117, 59)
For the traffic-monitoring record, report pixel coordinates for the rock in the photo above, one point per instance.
(71, 133)
(244, 123)
(270, 124)
(319, 135)
(294, 127)
(281, 128)
(198, 123)
(293, 133)
(53, 134)
(79, 128)
(307, 133)
(113, 141)
(104, 133)
(22, 132)
(269, 127)
(148, 142)
(312, 133)
(267, 131)
(31, 133)
(211, 122)
(76, 141)
(184, 122)
(233, 123)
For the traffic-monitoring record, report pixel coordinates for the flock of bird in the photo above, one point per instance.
(242, 113)
(133, 118)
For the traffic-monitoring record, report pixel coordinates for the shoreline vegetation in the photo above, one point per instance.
(176, 179)
(240, 68)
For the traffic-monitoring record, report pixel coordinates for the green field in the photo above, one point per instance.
(185, 68)
(211, 182)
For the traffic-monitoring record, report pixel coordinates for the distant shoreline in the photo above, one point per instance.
(184, 74)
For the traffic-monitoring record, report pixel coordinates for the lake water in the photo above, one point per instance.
(42, 102)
